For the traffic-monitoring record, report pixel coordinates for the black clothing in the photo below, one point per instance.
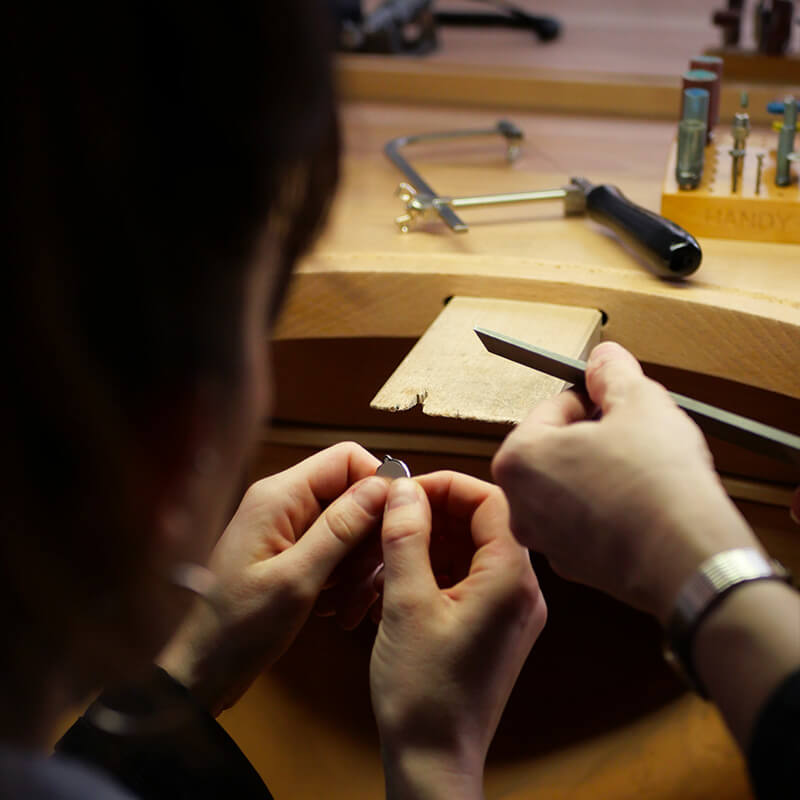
(774, 757)
(188, 755)
(30, 776)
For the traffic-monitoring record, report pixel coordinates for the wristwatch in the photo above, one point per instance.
(700, 594)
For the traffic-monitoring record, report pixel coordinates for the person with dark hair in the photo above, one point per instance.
(166, 165)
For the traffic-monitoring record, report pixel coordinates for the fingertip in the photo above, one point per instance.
(794, 508)
(371, 493)
(609, 370)
(405, 539)
(403, 492)
(612, 353)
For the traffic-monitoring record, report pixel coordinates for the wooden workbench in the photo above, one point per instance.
(596, 714)
(621, 57)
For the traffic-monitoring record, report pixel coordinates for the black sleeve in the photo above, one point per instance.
(156, 740)
(774, 757)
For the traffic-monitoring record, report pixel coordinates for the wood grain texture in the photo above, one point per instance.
(621, 57)
(451, 374)
(399, 80)
(749, 65)
(738, 317)
(475, 451)
(772, 215)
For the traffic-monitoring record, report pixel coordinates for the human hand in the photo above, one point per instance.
(445, 659)
(279, 551)
(629, 504)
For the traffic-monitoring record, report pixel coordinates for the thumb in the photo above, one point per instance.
(340, 529)
(408, 575)
(611, 373)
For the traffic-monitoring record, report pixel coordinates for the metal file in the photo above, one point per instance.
(734, 428)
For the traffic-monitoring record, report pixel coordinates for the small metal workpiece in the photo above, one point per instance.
(785, 153)
(760, 168)
(393, 468)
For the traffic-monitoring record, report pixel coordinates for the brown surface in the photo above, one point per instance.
(623, 36)
(616, 57)
(772, 215)
(321, 395)
(451, 374)
(738, 317)
(596, 713)
(750, 65)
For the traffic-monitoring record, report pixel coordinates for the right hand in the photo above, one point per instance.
(445, 659)
(629, 504)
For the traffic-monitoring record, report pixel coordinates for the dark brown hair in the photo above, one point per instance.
(146, 147)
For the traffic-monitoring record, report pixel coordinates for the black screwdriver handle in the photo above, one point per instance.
(667, 249)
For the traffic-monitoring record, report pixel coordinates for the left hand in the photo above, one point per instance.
(291, 531)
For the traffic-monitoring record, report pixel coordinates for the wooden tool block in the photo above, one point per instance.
(749, 65)
(712, 210)
(450, 373)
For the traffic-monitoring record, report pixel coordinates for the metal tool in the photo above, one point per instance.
(667, 249)
(711, 81)
(734, 428)
(740, 131)
(410, 27)
(785, 152)
(393, 468)
(510, 132)
(692, 138)
(759, 170)
(395, 26)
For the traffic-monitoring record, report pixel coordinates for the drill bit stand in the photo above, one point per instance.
(757, 211)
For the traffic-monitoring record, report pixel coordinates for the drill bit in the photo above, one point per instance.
(785, 149)
(740, 131)
(760, 158)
